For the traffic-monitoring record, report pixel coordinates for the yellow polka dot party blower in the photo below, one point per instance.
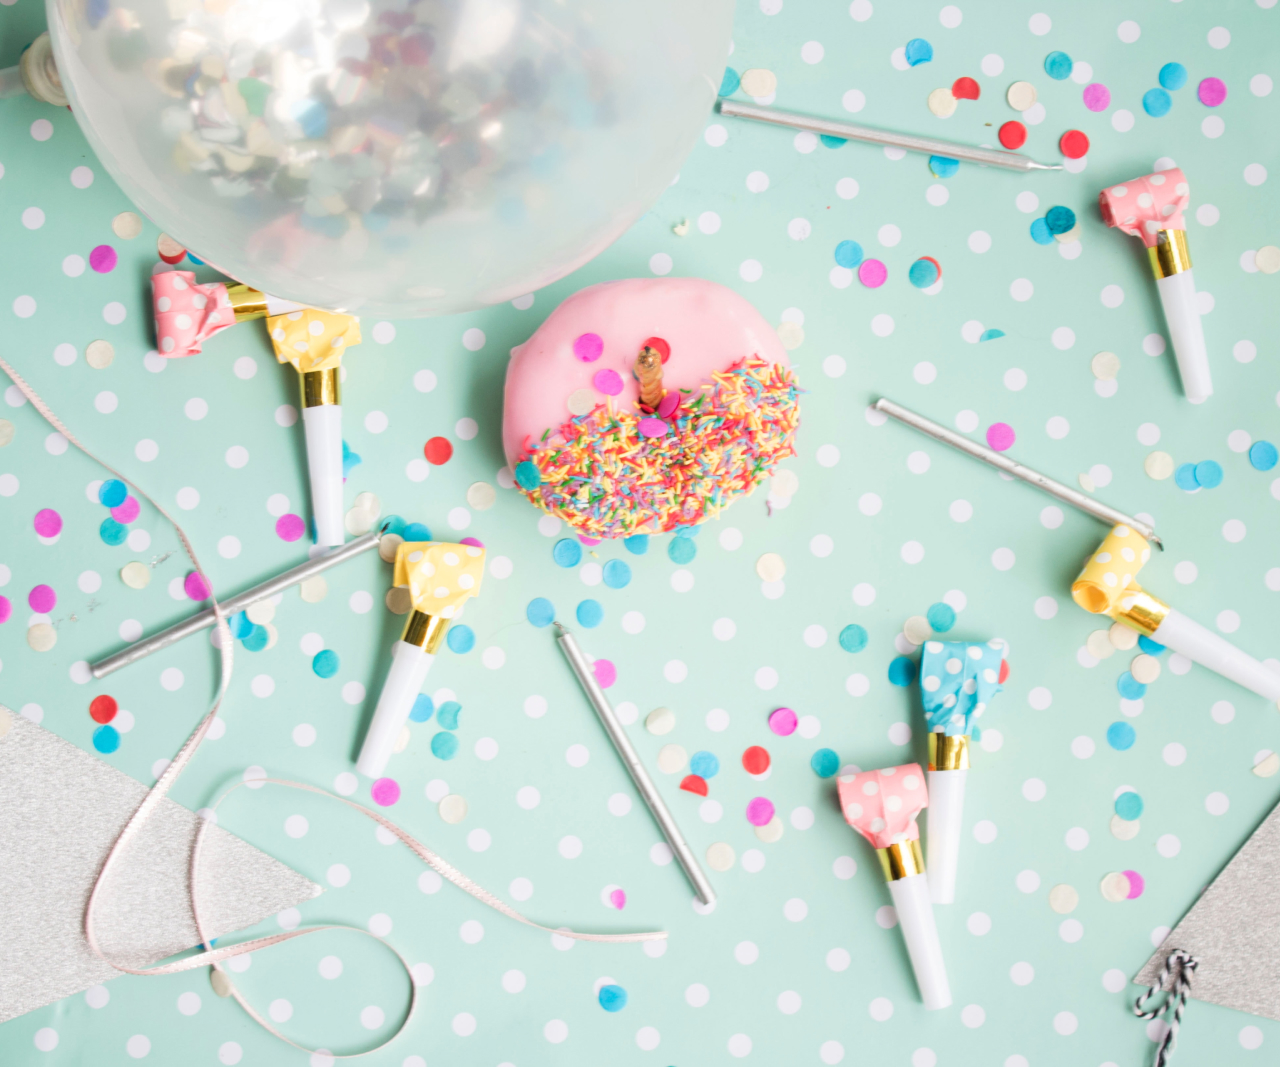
(440, 578)
(1108, 586)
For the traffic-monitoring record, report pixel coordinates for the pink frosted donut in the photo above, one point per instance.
(584, 450)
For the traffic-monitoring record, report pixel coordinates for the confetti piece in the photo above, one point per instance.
(444, 745)
(461, 639)
(1212, 92)
(1070, 236)
(872, 273)
(423, 708)
(385, 792)
(1268, 765)
(660, 721)
(1013, 134)
(325, 663)
(589, 347)
(566, 552)
(47, 523)
(1131, 689)
(1129, 806)
(1099, 644)
(672, 758)
(438, 451)
(257, 639)
(1156, 103)
(1040, 232)
(106, 739)
(704, 764)
(942, 103)
(169, 250)
(918, 51)
(452, 808)
(965, 89)
(314, 589)
(195, 586)
(612, 997)
(590, 614)
(1145, 669)
(1122, 637)
(1136, 884)
(783, 722)
(691, 783)
(1000, 436)
(1115, 887)
(943, 166)
(291, 528)
(917, 630)
(1267, 259)
(527, 475)
(1021, 96)
(1058, 66)
(112, 532)
(825, 762)
(42, 599)
(1208, 474)
(720, 856)
(608, 382)
(760, 811)
(924, 272)
(759, 82)
(990, 335)
(103, 259)
(126, 225)
(1105, 366)
(755, 760)
(652, 428)
(771, 831)
(42, 637)
(398, 600)
(6, 432)
(112, 493)
(135, 575)
(1173, 76)
(681, 550)
(1063, 899)
(1263, 455)
(1073, 144)
(1185, 477)
(941, 617)
(848, 254)
(771, 567)
(853, 638)
(103, 708)
(99, 354)
(1124, 829)
(1060, 219)
(730, 82)
(902, 671)
(447, 715)
(1151, 648)
(540, 612)
(1097, 97)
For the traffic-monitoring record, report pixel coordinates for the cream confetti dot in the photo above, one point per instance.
(1099, 644)
(771, 831)
(917, 630)
(1158, 465)
(453, 808)
(759, 82)
(387, 546)
(580, 401)
(1145, 669)
(770, 567)
(1268, 765)
(99, 354)
(42, 637)
(1086, 483)
(314, 589)
(1124, 829)
(126, 225)
(942, 103)
(398, 600)
(262, 612)
(481, 496)
(135, 575)
(1122, 637)
(1063, 899)
(1105, 366)
(1021, 95)
(1115, 887)
(1267, 259)
(720, 856)
(660, 721)
(672, 758)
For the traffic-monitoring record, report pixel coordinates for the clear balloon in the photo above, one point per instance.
(389, 157)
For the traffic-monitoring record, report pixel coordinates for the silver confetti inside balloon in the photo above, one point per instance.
(387, 157)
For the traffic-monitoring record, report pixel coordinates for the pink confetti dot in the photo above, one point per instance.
(1136, 884)
(290, 527)
(103, 259)
(473, 541)
(588, 347)
(606, 673)
(196, 587)
(128, 511)
(608, 382)
(1212, 92)
(6, 609)
(1097, 97)
(783, 722)
(48, 523)
(872, 273)
(760, 811)
(385, 792)
(618, 898)
(42, 599)
(590, 542)
(1000, 436)
(668, 404)
(653, 428)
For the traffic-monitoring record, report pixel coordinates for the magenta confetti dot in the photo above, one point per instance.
(42, 599)
(606, 673)
(668, 404)
(1097, 97)
(588, 347)
(1000, 436)
(128, 511)
(608, 382)
(196, 587)
(290, 527)
(6, 609)
(1212, 92)
(618, 898)
(653, 428)
(760, 811)
(48, 523)
(385, 792)
(872, 273)
(103, 259)
(590, 542)
(475, 542)
(783, 722)
(1136, 884)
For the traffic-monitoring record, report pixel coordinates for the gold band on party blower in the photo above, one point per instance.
(948, 752)
(247, 302)
(321, 387)
(1169, 255)
(425, 631)
(901, 860)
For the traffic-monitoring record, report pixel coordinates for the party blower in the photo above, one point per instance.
(958, 680)
(1151, 208)
(883, 807)
(441, 578)
(188, 313)
(1107, 586)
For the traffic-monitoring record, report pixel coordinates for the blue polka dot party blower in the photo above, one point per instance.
(958, 680)
(440, 578)
(1107, 586)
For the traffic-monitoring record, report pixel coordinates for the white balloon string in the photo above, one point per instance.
(214, 957)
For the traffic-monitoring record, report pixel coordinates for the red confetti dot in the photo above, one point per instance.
(1073, 144)
(103, 708)
(935, 263)
(755, 760)
(1013, 134)
(966, 89)
(438, 451)
(660, 346)
(693, 784)
(1004, 670)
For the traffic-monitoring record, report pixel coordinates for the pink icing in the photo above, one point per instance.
(708, 327)
(883, 805)
(188, 313)
(1143, 206)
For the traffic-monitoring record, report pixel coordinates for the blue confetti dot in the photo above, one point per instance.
(258, 638)
(853, 638)
(394, 524)
(240, 626)
(943, 166)
(541, 612)
(1040, 232)
(922, 273)
(325, 663)
(993, 333)
(461, 639)
(590, 614)
(941, 616)
(636, 544)
(848, 254)
(106, 738)
(1263, 455)
(567, 552)
(1208, 474)
(918, 51)
(423, 708)
(613, 997)
(416, 531)
(617, 575)
(824, 762)
(444, 745)
(349, 459)
(528, 476)
(1151, 648)
(1060, 219)
(198, 263)
(832, 142)
(1129, 806)
(448, 714)
(688, 531)
(1120, 735)
(1156, 103)
(112, 532)
(1129, 687)
(730, 82)
(112, 493)
(704, 764)
(902, 671)
(1173, 76)
(681, 550)
(1058, 66)
(1185, 477)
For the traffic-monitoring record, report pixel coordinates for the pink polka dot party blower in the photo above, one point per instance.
(440, 578)
(1151, 209)
(883, 807)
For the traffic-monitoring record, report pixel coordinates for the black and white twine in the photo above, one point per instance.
(1179, 965)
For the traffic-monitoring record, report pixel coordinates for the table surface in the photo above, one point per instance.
(794, 964)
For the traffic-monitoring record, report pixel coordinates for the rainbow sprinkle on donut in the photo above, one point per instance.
(606, 476)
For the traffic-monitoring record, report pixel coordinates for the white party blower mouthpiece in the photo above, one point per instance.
(948, 774)
(883, 807)
(1151, 208)
(322, 422)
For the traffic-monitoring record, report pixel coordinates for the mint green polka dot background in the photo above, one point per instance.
(798, 963)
